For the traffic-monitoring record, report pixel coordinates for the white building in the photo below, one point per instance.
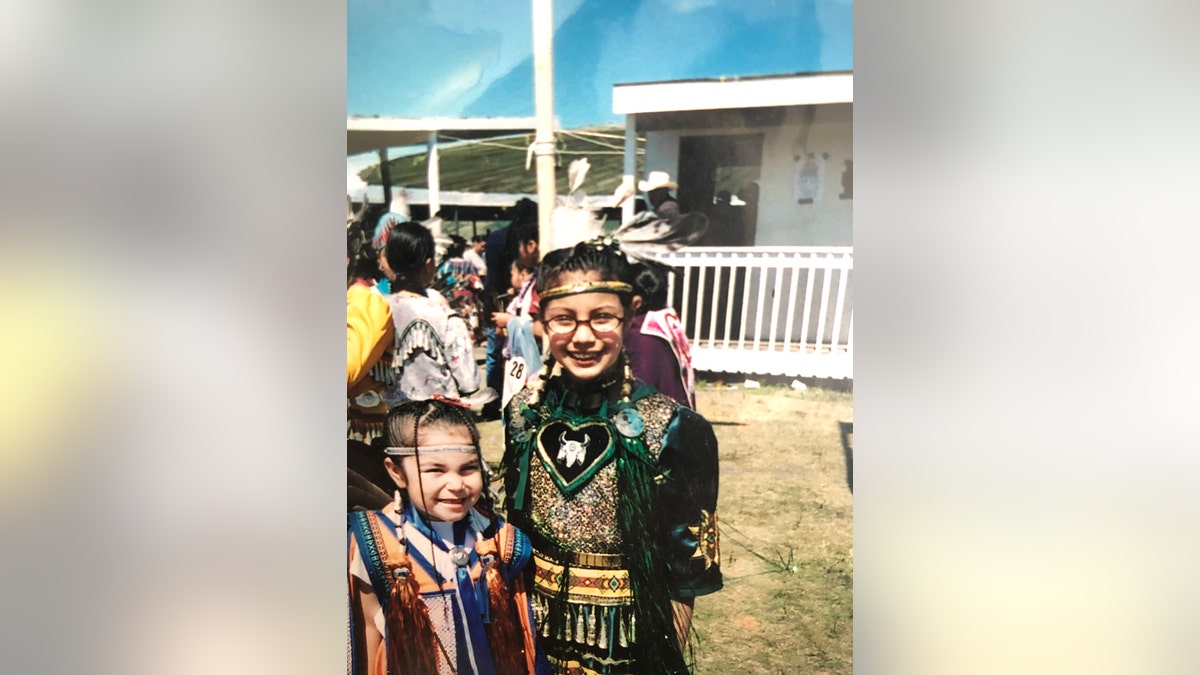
(770, 161)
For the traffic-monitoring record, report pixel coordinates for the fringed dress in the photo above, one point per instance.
(619, 502)
(456, 595)
(433, 351)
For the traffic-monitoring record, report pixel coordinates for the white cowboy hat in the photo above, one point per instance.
(657, 179)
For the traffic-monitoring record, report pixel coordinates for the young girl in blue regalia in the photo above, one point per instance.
(614, 482)
(435, 578)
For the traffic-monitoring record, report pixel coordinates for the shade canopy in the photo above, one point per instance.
(368, 134)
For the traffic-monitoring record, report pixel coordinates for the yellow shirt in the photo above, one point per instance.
(369, 330)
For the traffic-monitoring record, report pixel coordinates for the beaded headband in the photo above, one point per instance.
(587, 287)
(409, 450)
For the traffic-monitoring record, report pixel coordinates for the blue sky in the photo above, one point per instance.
(430, 58)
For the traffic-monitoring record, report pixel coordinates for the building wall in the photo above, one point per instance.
(662, 152)
(806, 154)
(819, 137)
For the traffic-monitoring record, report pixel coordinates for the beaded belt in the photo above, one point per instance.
(608, 585)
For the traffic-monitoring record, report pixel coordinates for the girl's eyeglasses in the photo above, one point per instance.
(599, 323)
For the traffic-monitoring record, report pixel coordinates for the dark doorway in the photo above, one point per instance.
(718, 176)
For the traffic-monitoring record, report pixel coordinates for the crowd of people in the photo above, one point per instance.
(584, 550)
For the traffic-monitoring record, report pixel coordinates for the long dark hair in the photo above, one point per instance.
(409, 245)
(523, 228)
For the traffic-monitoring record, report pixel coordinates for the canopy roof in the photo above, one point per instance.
(368, 134)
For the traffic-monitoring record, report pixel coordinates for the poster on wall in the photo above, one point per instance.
(808, 180)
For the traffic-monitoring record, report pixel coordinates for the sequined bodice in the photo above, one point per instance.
(586, 521)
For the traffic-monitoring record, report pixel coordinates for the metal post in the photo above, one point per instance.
(543, 144)
(434, 175)
(630, 165)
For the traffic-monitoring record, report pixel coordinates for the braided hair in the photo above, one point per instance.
(601, 256)
(405, 422)
(411, 644)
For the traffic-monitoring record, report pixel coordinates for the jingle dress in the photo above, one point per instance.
(620, 500)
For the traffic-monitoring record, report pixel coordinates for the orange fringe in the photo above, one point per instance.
(412, 646)
(505, 635)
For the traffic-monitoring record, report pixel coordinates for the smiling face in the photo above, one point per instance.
(584, 353)
(443, 485)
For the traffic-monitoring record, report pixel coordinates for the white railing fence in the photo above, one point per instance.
(767, 310)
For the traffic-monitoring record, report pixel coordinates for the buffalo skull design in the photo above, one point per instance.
(570, 452)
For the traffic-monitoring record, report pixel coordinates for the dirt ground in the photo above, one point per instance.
(785, 512)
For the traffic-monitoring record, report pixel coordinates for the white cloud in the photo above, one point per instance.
(687, 6)
(454, 89)
(511, 23)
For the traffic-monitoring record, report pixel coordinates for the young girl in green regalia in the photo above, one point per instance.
(615, 483)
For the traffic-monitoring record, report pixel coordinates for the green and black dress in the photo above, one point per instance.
(618, 495)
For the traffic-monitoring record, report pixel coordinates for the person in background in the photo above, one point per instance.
(474, 254)
(525, 252)
(522, 277)
(433, 349)
(370, 336)
(368, 318)
(657, 345)
(499, 252)
(457, 282)
(658, 186)
(518, 323)
(398, 212)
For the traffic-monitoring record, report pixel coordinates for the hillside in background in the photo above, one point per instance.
(498, 165)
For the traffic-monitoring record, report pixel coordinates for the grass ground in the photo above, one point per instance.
(785, 512)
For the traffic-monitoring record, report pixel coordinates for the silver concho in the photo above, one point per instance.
(629, 422)
(520, 429)
(459, 556)
(368, 399)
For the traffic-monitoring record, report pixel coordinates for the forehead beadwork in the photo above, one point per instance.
(586, 287)
(409, 450)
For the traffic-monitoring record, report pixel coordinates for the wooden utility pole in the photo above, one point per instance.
(543, 97)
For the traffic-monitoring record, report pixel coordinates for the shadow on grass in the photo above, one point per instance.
(847, 430)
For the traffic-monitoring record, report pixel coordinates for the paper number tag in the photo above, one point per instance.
(514, 379)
